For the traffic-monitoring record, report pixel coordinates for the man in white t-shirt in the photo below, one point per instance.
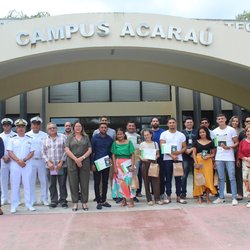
(177, 141)
(226, 141)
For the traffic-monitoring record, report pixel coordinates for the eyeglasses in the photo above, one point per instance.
(52, 128)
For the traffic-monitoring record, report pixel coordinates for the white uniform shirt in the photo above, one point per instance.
(20, 146)
(6, 138)
(37, 142)
(175, 139)
(228, 134)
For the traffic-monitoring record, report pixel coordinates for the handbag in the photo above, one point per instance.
(154, 170)
(199, 179)
(135, 182)
(178, 169)
(216, 178)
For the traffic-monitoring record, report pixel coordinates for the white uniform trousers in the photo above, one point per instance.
(5, 173)
(39, 169)
(16, 175)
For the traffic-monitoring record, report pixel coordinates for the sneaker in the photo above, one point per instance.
(52, 205)
(248, 204)
(218, 201)
(31, 209)
(118, 200)
(13, 210)
(182, 201)
(64, 205)
(167, 200)
(136, 199)
(45, 203)
(99, 206)
(106, 204)
(139, 195)
(159, 203)
(150, 203)
(234, 202)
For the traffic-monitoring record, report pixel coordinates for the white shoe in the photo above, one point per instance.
(218, 201)
(248, 204)
(31, 208)
(45, 203)
(234, 202)
(150, 203)
(4, 203)
(13, 210)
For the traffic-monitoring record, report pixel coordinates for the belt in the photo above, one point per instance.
(36, 158)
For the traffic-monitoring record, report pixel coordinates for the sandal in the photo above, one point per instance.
(124, 203)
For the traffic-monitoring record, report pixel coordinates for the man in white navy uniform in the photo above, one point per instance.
(20, 150)
(38, 164)
(5, 161)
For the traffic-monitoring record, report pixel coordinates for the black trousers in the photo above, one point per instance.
(61, 179)
(98, 176)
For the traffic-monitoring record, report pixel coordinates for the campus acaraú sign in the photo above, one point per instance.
(104, 29)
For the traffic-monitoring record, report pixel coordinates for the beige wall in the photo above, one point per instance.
(208, 69)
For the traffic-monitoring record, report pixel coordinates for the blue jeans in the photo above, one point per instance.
(230, 167)
(168, 171)
(187, 166)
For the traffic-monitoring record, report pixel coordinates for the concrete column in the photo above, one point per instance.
(178, 111)
(23, 106)
(197, 108)
(237, 111)
(43, 110)
(217, 108)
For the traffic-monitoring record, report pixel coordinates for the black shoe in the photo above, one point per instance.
(99, 206)
(94, 199)
(114, 199)
(118, 200)
(106, 204)
(139, 195)
(65, 205)
(52, 205)
(136, 199)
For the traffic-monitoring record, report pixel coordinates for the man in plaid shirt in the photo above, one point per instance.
(54, 156)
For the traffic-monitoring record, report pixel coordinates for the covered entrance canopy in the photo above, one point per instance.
(202, 55)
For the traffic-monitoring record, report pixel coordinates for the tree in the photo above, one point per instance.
(245, 16)
(14, 14)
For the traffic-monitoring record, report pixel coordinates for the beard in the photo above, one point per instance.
(155, 126)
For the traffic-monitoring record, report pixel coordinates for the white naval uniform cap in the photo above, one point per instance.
(36, 119)
(20, 122)
(6, 121)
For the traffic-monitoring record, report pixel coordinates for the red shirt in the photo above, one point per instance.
(244, 149)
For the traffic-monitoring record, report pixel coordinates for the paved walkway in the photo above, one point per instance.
(172, 226)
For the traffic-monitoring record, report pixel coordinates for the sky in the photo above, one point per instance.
(208, 9)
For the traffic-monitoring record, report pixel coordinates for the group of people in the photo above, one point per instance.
(123, 158)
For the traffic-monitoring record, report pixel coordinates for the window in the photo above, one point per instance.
(95, 91)
(64, 93)
(155, 92)
(125, 91)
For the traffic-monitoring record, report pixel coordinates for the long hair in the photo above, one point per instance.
(83, 133)
(207, 133)
(122, 130)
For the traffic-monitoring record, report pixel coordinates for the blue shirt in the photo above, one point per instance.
(157, 134)
(101, 146)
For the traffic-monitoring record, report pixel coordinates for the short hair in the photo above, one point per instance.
(188, 118)
(204, 119)
(102, 123)
(131, 121)
(155, 118)
(51, 123)
(221, 115)
(171, 118)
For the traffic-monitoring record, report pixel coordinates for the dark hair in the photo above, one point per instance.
(147, 130)
(171, 118)
(122, 130)
(131, 122)
(207, 132)
(102, 123)
(221, 115)
(155, 118)
(188, 118)
(204, 119)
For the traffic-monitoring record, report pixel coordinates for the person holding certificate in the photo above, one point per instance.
(203, 154)
(78, 149)
(101, 159)
(149, 152)
(123, 162)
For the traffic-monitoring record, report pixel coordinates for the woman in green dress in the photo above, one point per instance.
(122, 156)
